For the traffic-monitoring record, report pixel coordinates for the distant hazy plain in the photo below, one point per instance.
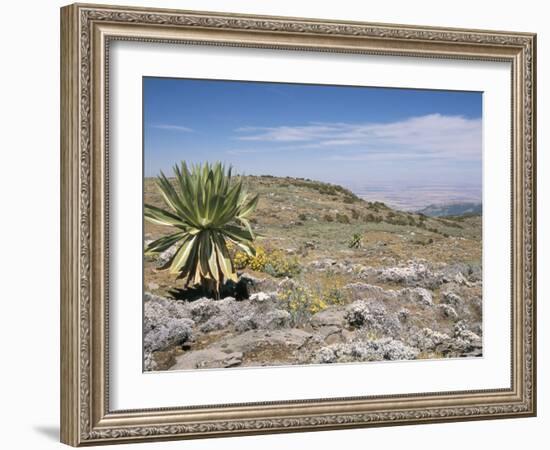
(412, 197)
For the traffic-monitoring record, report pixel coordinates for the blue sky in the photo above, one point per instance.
(347, 135)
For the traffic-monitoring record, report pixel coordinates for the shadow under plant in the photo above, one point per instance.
(327, 278)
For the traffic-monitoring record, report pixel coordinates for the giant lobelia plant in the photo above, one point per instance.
(208, 208)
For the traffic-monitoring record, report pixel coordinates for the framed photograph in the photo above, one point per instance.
(276, 224)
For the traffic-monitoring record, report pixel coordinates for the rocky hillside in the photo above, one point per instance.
(335, 279)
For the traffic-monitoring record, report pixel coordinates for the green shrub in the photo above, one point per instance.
(355, 241)
(342, 218)
(372, 218)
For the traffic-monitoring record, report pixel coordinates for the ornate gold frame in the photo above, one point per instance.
(86, 31)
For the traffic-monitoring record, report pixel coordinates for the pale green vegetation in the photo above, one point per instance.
(299, 221)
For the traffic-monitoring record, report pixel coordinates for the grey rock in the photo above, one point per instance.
(158, 308)
(450, 298)
(403, 315)
(323, 264)
(463, 274)
(166, 256)
(166, 323)
(149, 362)
(376, 350)
(215, 324)
(269, 320)
(462, 333)
(203, 309)
(246, 323)
(461, 279)
(365, 272)
(169, 332)
(464, 342)
(428, 340)
(261, 297)
(232, 350)
(372, 316)
(207, 359)
(327, 331)
(249, 340)
(335, 338)
(326, 355)
(414, 273)
(277, 318)
(332, 316)
(416, 295)
(448, 311)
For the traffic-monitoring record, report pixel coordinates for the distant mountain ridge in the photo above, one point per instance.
(452, 209)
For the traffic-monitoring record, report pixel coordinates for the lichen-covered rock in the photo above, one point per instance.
(403, 315)
(416, 295)
(468, 337)
(268, 320)
(464, 342)
(461, 280)
(149, 362)
(157, 308)
(246, 323)
(414, 273)
(277, 318)
(463, 274)
(169, 332)
(448, 311)
(428, 340)
(371, 315)
(358, 313)
(450, 298)
(166, 322)
(326, 355)
(203, 309)
(261, 297)
(375, 350)
(215, 324)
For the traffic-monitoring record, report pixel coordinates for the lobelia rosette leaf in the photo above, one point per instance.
(208, 207)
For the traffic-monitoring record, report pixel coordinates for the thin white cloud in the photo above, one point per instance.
(173, 128)
(285, 133)
(434, 136)
(244, 151)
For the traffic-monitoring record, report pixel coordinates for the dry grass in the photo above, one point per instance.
(290, 217)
